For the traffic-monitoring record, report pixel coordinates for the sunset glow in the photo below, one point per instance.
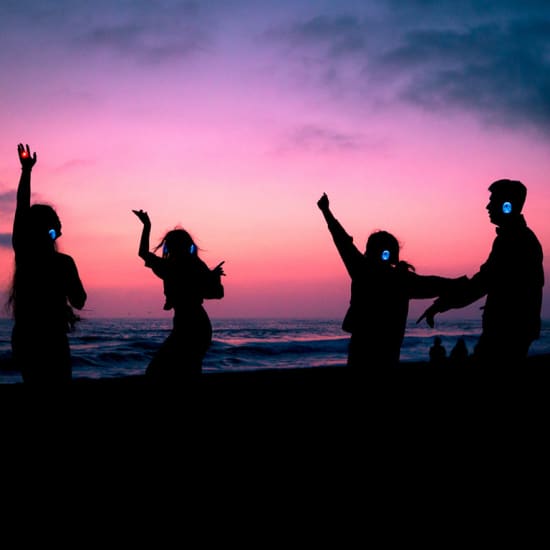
(231, 119)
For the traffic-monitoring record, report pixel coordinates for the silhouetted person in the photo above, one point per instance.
(512, 279)
(45, 287)
(438, 353)
(381, 287)
(459, 353)
(187, 282)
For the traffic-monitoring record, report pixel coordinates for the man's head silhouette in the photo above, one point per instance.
(506, 200)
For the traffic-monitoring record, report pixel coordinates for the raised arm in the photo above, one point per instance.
(145, 233)
(344, 242)
(23, 191)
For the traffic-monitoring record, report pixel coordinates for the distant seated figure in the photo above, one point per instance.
(459, 353)
(438, 353)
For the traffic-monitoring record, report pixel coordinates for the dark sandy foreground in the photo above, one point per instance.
(450, 411)
(413, 373)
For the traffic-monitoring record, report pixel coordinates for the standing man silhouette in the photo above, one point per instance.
(512, 279)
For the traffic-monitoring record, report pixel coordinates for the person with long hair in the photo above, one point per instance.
(187, 282)
(381, 287)
(46, 286)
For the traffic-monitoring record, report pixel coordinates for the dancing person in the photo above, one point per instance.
(45, 288)
(187, 282)
(381, 288)
(512, 279)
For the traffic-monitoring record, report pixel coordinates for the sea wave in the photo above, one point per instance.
(119, 347)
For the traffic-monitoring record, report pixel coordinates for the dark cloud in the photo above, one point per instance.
(491, 59)
(134, 29)
(5, 240)
(150, 32)
(337, 35)
(500, 72)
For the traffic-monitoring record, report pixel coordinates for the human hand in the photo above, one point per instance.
(27, 160)
(428, 314)
(323, 203)
(218, 270)
(143, 216)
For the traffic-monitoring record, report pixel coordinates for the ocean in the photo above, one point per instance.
(121, 347)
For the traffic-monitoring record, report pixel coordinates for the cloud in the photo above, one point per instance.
(337, 35)
(321, 139)
(489, 60)
(141, 30)
(150, 32)
(5, 240)
(7, 202)
(502, 73)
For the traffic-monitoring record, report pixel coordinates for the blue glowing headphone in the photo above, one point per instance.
(506, 207)
(53, 234)
(192, 248)
(385, 255)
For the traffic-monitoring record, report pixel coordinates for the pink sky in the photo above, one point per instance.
(234, 127)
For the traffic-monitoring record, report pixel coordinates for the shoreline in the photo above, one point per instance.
(406, 370)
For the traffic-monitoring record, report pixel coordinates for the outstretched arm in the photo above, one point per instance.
(344, 242)
(145, 233)
(23, 191)
(460, 294)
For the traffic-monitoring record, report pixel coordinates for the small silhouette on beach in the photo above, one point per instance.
(459, 354)
(438, 353)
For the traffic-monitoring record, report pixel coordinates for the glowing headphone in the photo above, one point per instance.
(506, 207)
(385, 255)
(192, 248)
(53, 234)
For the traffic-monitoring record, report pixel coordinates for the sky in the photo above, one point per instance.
(231, 118)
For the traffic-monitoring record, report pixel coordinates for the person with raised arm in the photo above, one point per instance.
(187, 282)
(381, 287)
(46, 286)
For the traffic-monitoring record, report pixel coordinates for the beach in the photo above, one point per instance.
(243, 349)
(410, 376)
